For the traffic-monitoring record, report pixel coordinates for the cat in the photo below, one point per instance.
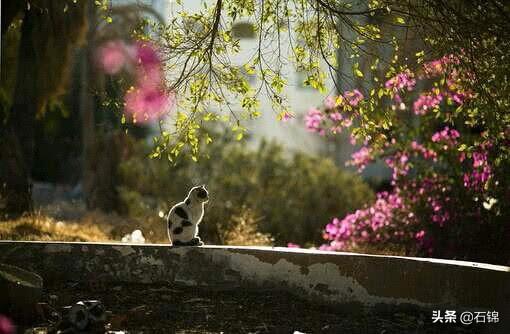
(184, 217)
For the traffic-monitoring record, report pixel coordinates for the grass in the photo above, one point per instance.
(40, 227)
(66, 221)
(95, 226)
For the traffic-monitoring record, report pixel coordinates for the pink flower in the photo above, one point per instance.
(401, 81)
(149, 67)
(313, 120)
(336, 116)
(347, 122)
(353, 97)
(447, 136)
(6, 326)
(336, 129)
(361, 158)
(481, 170)
(148, 103)
(146, 55)
(330, 102)
(143, 56)
(459, 97)
(112, 56)
(426, 102)
(439, 66)
(420, 235)
(352, 139)
(367, 225)
(292, 245)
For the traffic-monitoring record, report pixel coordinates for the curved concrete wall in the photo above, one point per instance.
(338, 278)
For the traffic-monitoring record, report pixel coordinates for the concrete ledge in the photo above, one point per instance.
(337, 278)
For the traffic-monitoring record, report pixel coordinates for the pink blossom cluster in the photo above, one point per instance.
(338, 113)
(426, 153)
(343, 102)
(314, 121)
(353, 97)
(402, 81)
(481, 171)
(149, 99)
(427, 102)
(399, 162)
(112, 56)
(444, 66)
(440, 66)
(369, 225)
(405, 81)
(330, 102)
(446, 136)
(459, 97)
(361, 158)
(391, 218)
(433, 190)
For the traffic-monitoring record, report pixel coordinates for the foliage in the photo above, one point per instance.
(199, 47)
(450, 195)
(287, 197)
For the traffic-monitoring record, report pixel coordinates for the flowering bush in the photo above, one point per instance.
(148, 100)
(450, 182)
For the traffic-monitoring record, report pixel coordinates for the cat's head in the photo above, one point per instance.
(199, 194)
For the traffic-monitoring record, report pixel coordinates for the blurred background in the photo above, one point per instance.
(89, 168)
(73, 169)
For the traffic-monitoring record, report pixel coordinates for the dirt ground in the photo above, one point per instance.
(168, 309)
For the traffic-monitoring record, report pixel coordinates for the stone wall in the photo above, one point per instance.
(326, 277)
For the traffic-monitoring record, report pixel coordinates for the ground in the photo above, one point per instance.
(169, 309)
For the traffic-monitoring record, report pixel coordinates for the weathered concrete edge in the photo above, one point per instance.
(480, 265)
(339, 278)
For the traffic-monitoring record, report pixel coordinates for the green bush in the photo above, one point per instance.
(286, 196)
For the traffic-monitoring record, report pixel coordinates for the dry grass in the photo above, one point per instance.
(40, 227)
(86, 226)
(243, 231)
(71, 222)
(98, 226)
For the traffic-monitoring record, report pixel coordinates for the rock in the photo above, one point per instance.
(23, 290)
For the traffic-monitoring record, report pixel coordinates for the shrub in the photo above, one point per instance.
(252, 191)
(450, 166)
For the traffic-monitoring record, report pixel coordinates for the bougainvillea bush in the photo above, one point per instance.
(450, 165)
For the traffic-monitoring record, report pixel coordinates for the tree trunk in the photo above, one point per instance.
(87, 110)
(17, 145)
(48, 37)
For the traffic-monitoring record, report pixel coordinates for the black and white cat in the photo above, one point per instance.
(184, 217)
